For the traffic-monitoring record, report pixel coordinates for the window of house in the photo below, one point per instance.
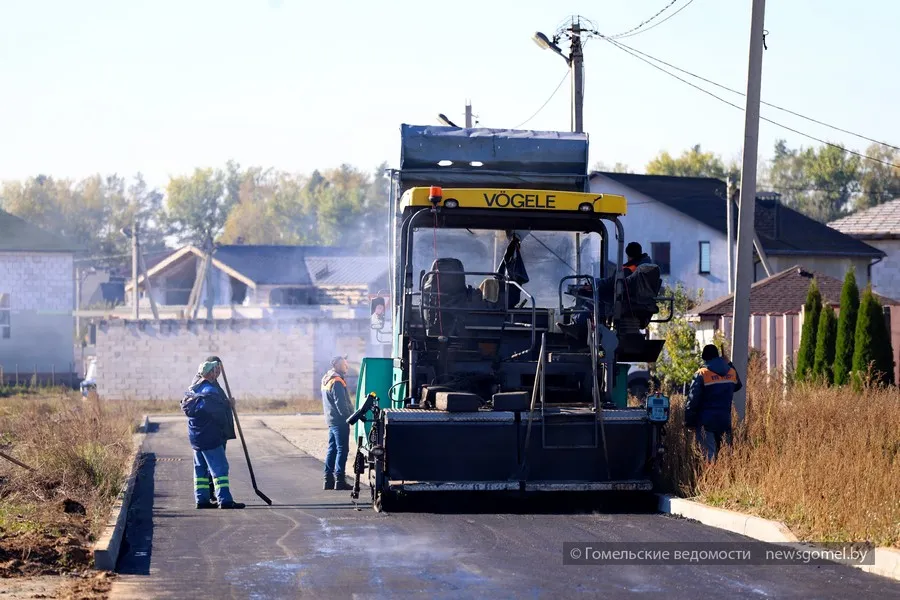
(704, 258)
(660, 252)
(5, 313)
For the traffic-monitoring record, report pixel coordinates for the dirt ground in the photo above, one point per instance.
(84, 586)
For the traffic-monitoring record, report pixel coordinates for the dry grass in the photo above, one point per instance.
(79, 450)
(826, 461)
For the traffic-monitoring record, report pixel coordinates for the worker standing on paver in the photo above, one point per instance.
(605, 288)
(337, 407)
(708, 407)
(209, 422)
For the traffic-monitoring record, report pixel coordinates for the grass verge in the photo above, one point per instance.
(79, 449)
(825, 461)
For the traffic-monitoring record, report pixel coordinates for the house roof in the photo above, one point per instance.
(285, 265)
(783, 292)
(346, 270)
(781, 230)
(878, 222)
(18, 235)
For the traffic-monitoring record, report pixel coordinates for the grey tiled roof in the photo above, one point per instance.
(876, 222)
(346, 270)
(18, 235)
(781, 230)
(783, 292)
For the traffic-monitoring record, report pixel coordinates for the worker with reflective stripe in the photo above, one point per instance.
(708, 407)
(229, 428)
(337, 407)
(209, 416)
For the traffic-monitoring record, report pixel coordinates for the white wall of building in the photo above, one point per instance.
(650, 221)
(886, 274)
(41, 288)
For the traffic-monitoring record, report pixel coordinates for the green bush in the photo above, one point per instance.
(680, 357)
(806, 357)
(872, 344)
(681, 354)
(846, 329)
(823, 368)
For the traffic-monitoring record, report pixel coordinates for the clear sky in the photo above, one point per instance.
(162, 86)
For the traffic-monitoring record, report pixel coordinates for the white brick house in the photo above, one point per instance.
(37, 298)
(878, 226)
(681, 223)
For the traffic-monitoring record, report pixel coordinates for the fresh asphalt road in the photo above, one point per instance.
(313, 543)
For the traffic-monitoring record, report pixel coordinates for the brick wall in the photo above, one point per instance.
(263, 359)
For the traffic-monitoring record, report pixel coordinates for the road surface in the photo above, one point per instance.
(313, 543)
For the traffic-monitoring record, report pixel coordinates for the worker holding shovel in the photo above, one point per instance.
(209, 423)
(229, 426)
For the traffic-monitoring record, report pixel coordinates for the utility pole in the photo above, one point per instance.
(210, 298)
(147, 284)
(740, 334)
(78, 302)
(729, 211)
(575, 61)
(468, 114)
(576, 64)
(135, 296)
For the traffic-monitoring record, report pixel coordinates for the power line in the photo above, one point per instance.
(783, 126)
(787, 110)
(561, 81)
(644, 22)
(657, 24)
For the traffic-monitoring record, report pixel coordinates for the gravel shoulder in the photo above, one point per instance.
(308, 433)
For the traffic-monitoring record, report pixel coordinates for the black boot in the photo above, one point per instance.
(206, 504)
(329, 482)
(341, 484)
(231, 504)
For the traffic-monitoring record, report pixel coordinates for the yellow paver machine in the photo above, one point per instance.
(510, 320)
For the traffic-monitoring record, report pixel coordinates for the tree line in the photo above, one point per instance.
(230, 205)
(824, 183)
(347, 205)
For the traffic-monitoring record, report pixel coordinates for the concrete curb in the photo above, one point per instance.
(749, 525)
(106, 549)
(887, 560)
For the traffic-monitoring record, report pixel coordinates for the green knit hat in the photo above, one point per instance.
(207, 367)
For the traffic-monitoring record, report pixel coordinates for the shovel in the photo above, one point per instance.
(243, 443)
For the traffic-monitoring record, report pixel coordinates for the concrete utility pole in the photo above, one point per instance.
(135, 296)
(740, 334)
(468, 114)
(575, 60)
(729, 211)
(147, 283)
(210, 297)
(576, 63)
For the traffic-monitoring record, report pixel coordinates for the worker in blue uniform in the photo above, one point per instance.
(209, 420)
(709, 401)
(229, 428)
(337, 407)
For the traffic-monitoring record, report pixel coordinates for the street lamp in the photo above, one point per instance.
(545, 44)
(575, 60)
(442, 118)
